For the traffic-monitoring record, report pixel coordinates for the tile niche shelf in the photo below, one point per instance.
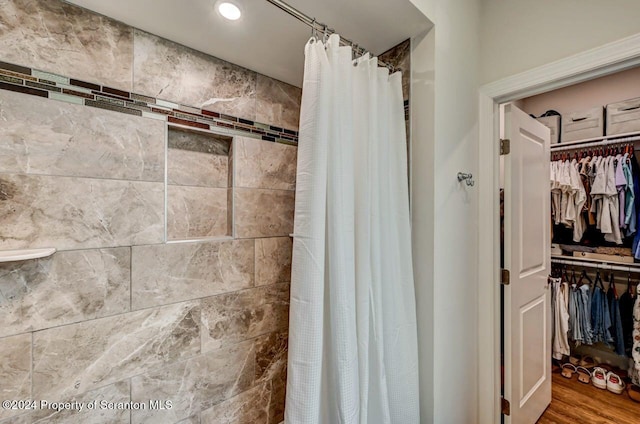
(25, 254)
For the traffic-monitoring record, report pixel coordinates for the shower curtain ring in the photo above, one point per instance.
(313, 28)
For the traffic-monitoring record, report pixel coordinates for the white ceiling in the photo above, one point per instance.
(266, 39)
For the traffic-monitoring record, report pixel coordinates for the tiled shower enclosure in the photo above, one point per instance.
(171, 214)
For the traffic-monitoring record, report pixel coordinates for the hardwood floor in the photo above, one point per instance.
(574, 402)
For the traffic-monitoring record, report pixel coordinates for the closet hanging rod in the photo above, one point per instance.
(600, 143)
(598, 265)
(323, 28)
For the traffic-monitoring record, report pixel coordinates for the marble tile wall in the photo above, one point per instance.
(75, 358)
(251, 219)
(44, 138)
(198, 178)
(262, 165)
(121, 312)
(196, 212)
(63, 38)
(68, 287)
(173, 272)
(78, 213)
(87, 50)
(15, 370)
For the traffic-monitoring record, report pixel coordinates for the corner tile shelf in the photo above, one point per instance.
(25, 254)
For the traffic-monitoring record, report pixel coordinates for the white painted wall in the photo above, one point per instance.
(517, 35)
(445, 214)
(422, 211)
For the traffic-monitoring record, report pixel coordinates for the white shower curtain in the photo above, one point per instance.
(352, 332)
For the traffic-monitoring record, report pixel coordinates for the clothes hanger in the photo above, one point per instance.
(584, 276)
(612, 286)
(598, 280)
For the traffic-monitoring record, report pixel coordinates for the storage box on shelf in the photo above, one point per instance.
(623, 117)
(583, 124)
(553, 123)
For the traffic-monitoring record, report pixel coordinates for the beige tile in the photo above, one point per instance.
(242, 315)
(46, 137)
(195, 212)
(198, 141)
(58, 37)
(64, 288)
(273, 260)
(106, 413)
(80, 357)
(179, 271)
(263, 164)
(271, 357)
(78, 213)
(271, 366)
(189, 168)
(196, 384)
(263, 213)
(15, 370)
(250, 407)
(167, 70)
(278, 103)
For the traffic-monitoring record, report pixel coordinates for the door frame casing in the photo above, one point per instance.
(607, 59)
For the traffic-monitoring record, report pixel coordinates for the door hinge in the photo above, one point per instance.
(505, 277)
(505, 146)
(506, 406)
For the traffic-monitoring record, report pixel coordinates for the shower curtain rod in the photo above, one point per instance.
(323, 28)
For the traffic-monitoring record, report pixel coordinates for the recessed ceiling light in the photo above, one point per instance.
(229, 11)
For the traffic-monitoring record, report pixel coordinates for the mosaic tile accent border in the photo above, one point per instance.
(44, 84)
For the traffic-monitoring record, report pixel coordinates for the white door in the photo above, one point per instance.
(527, 309)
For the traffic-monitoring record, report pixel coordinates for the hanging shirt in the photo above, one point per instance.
(621, 187)
(560, 292)
(572, 212)
(598, 187)
(566, 201)
(580, 199)
(630, 204)
(610, 220)
(555, 192)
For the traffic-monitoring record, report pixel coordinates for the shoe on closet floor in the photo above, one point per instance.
(568, 370)
(584, 376)
(615, 383)
(634, 392)
(599, 378)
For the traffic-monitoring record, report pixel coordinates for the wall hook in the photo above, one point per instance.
(467, 178)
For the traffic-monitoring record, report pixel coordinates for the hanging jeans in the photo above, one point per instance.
(575, 327)
(600, 317)
(584, 313)
(616, 321)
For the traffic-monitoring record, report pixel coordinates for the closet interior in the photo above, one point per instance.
(595, 232)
